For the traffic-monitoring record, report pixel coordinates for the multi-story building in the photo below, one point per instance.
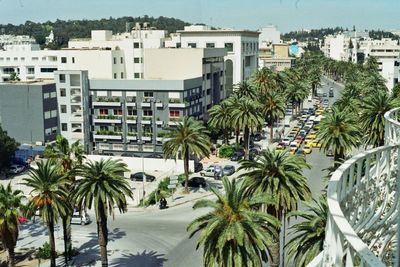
(28, 111)
(269, 35)
(130, 116)
(241, 46)
(7, 41)
(132, 45)
(275, 57)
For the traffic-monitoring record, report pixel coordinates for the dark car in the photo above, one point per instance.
(257, 137)
(196, 182)
(198, 166)
(228, 170)
(300, 152)
(154, 156)
(107, 154)
(138, 177)
(237, 156)
(331, 92)
(324, 94)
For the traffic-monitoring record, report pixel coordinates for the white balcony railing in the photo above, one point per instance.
(363, 206)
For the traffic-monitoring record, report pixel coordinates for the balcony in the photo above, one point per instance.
(107, 101)
(177, 103)
(110, 135)
(131, 119)
(363, 206)
(146, 136)
(159, 104)
(107, 119)
(146, 120)
(131, 136)
(131, 101)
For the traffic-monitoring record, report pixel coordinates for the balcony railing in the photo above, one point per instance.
(107, 101)
(363, 206)
(107, 119)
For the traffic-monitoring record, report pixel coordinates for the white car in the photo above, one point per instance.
(286, 141)
(293, 146)
(212, 171)
(81, 219)
(15, 169)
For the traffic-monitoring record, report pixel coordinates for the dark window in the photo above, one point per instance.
(122, 60)
(192, 45)
(62, 78)
(63, 109)
(63, 92)
(136, 60)
(208, 91)
(148, 94)
(64, 127)
(115, 60)
(47, 70)
(147, 113)
(73, 60)
(115, 76)
(229, 47)
(174, 113)
(136, 45)
(122, 75)
(208, 76)
(210, 45)
(63, 60)
(136, 75)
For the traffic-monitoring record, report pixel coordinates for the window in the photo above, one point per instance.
(122, 60)
(136, 45)
(64, 127)
(33, 59)
(54, 130)
(22, 59)
(115, 76)
(76, 127)
(208, 91)
(247, 61)
(47, 70)
(210, 45)
(137, 75)
(208, 76)
(63, 109)
(137, 60)
(229, 47)
(174, 114)
(47, 131)
(73, 60)
(31, 70)
(115, 60)
(47, 115)
(62, 78)
(53, 95)
(148, 94)
(46, 95)
(118, 112)
(63, 92)
(53, 113)
(103, 111)
(122, 75)
(192, 45)
(147, 113)
(63, 60)
(132, 112)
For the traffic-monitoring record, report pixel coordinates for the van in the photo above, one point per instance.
(81, 219)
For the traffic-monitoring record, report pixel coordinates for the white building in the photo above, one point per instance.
(336, 47)
(132, 44)
(241, 46)
(269, 35)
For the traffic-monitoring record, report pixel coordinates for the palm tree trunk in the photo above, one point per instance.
(11, 256)
(186, 170)
(237, 135)
(102, 235)
(271, 134)
(226, 141)
(66, 224)
(275, 257)
(50, 227)
(246, 141)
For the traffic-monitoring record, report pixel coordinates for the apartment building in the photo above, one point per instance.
(130, 115)
(28, 111)
(275, 57)
(132, 45)
(241, 47)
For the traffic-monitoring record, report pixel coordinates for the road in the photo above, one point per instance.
(152, 238)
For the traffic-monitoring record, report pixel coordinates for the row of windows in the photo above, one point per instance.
(64, 60)
(50, 58)
(136, 75)
(50, 131)
(50, 114)
(49, 95)
(121, 60)
(228, 46)
(133, 112)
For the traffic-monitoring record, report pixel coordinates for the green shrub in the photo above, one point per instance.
(226, 151)
(44, 252)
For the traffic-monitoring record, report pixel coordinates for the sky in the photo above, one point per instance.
(287, 15)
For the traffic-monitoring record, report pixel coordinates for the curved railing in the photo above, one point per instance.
(363, 206)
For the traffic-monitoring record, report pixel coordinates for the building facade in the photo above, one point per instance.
(28, 111)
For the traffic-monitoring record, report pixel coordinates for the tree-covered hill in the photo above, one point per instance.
(65, 30)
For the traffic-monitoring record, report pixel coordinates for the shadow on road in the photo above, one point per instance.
(144, 259)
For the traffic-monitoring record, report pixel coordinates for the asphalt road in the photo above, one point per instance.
(153, 238)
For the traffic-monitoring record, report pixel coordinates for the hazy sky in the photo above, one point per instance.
(248, 14)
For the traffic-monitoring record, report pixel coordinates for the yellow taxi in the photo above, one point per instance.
(292, 151)
(307, 149)
(311, 136)
(295, 128)
(316, 127)
(307, 140)
(279, 148)
(316, 143)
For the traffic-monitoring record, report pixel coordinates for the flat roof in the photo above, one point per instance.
(33, 82)
(219, 31)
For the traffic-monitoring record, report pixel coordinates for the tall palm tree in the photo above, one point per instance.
(264, 80)
(10, 208)
(48, 197)
(234, 232)
(279, 175)
(233, 101)
(273, 107)
(339, 132)
(67, 157)
(372, 119)
(220, 117)
(189, 137)
(103, 188)
(309, 233)
(246, 89)
(247, 115)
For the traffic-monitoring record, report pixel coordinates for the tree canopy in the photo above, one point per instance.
(8, 146)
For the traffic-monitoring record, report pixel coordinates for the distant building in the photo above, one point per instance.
(28, 111)
(276, 57)
(269, 35)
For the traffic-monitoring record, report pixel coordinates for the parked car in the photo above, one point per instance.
(331, 92)
(300, 152)
(138, 177)
(324, 94)
(198, 166)
(303, 133)
(196, 182)
(293, 146)
(237, 156)
(15, 169)
(154, 156)
(212, 171)
(257, 137)
(291, 136)
(286, 141)
(81, 219)
(307, 149)
(228, 170)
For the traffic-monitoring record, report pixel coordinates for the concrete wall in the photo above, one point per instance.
(150, 165)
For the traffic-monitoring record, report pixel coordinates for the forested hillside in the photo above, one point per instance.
(65, 30)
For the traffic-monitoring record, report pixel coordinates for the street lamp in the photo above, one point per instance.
(141, 142)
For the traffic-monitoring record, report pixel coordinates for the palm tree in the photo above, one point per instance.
(234, 232)
(245, 89)
(48, 197)
(339, 132)
(233, 101)
(220, 117)
(103, 188)
(189, 137)
(273, 107)
(10, 207)
(264, 80)
(372, 119)
(309, 233)
(67, 157)
(279, 175)
(247, 115)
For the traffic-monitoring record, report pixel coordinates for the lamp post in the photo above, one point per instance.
(140, 142)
